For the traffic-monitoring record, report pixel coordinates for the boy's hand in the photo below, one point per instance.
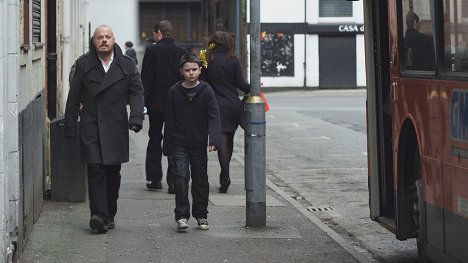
(134, 127)
(212, 148)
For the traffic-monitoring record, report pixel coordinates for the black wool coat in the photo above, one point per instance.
(104, 121)
(160, 70)
(224, 74)
(422, 50)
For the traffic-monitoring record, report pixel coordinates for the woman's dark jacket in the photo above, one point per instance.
(225, 76)
(191, 121)
(104, 120)
(160, 70)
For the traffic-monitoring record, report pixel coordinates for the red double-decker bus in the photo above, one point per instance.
(417, 116)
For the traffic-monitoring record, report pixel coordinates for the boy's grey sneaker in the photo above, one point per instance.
(182, 224)
(203, 224)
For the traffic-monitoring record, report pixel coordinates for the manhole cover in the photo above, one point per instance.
(320, 208)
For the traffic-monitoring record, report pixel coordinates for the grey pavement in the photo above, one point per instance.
(146, 231)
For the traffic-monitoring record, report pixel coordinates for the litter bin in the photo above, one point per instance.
(68, 174)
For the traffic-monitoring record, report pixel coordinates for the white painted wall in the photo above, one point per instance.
(22, 77)
(121, 15)
(3, 160)
(75, 40)
(273, 11)
(9, 162)
(360, 61)
(312, 60)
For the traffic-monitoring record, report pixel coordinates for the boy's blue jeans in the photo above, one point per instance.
(190, 162)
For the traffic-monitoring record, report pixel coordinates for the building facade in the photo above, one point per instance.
(193, 20)
(312, 44)
(39, 41)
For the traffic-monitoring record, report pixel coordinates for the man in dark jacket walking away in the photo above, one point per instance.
(419, 47)
(160, 70)
(105, 80)
(129, 51)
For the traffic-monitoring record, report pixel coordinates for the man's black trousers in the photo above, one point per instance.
(154, 150)
(103, 188)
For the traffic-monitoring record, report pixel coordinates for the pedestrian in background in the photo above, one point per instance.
(160, 70)
(419, 45)
(192, 124)
(223, 72)
(129, 51)
(104, 82)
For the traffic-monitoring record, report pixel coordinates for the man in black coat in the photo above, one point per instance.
(160, 70)
(419, 47)
(104, 82)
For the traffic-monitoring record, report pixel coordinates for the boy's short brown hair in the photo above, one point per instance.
(189, 57)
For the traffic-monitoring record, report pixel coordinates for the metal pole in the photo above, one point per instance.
(254, 133)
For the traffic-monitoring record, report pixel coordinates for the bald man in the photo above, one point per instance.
(105, 81)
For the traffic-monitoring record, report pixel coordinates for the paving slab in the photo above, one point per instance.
(146, 230)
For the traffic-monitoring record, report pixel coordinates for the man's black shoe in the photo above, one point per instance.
(97, 223)
(171, 189)
(111, 224)
(153, 186)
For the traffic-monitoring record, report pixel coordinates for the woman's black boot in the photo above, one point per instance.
(225, 183)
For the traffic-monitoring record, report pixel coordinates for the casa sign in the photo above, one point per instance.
(351, 28)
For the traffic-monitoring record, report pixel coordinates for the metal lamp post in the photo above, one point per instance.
(254, 133)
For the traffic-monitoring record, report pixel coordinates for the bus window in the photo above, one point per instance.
(455, 36)
(418, 43)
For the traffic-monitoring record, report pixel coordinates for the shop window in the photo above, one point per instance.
(335, 8)
(277, 54)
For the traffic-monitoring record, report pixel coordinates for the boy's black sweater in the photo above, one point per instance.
(192, 117)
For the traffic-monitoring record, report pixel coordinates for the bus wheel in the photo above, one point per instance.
(419, 210)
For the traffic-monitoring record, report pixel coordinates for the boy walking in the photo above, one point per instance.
(192, 124)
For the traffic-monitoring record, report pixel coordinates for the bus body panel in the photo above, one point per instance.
(436, 106)
(454, 96)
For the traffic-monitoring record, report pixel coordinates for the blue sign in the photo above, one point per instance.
(459, 115)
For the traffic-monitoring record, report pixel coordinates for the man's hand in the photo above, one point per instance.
(134, 127)
(212, 148)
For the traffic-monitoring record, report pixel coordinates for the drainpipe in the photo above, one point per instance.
(66, 44)
(51, 59)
